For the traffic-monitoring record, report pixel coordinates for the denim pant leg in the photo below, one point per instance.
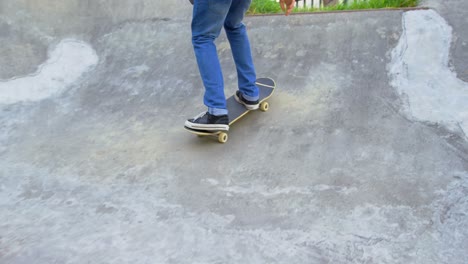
(207, 22)
(240, 46)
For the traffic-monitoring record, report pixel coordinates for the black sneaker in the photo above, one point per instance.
(208, 122)
(250, 105)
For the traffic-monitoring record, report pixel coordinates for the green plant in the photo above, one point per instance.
(264, 7)
(271, 6)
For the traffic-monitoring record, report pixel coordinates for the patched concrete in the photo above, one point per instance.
(454, 11)
(339, 170)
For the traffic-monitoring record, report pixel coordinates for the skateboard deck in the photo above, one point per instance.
(236, 110)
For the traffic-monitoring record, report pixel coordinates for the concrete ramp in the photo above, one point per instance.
(362, 158)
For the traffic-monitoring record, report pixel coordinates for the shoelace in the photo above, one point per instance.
(199, 116)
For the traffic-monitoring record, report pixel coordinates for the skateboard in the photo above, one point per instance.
(236, 111)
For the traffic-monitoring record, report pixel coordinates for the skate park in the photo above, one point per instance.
(361, 158)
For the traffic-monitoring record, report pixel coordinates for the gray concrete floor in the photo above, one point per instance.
(95, 166)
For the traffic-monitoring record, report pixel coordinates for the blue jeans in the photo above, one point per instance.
(209, 17)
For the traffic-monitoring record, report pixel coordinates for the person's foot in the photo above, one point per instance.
(250, 105)
(208, 122)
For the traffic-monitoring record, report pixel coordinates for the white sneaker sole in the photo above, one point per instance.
(207, 127)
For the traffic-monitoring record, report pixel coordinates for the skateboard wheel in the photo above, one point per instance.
(223, 137)
(264, 106)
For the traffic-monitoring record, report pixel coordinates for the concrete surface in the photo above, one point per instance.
(346, 167)
(454, 12)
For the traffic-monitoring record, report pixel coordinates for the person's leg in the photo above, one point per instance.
(207, 22)
(240, 46)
